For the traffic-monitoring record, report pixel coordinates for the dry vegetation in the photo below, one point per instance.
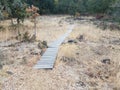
(48, 28)
(95, 58)
(87, 60)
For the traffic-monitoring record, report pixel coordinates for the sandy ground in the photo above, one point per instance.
(87, 63)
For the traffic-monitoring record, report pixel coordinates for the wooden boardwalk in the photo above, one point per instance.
(48, 59)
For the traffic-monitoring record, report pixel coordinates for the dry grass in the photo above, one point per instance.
(89, 55)
(48, 31)
(78, 66)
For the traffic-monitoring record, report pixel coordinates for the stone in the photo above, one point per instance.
(77, 53)
(72, 41)
(106, 61)
(45, 44)
(9, 72)
(42, 45)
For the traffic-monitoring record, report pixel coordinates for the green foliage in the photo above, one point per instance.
(2, 3)
(72, 6)
(18, 10)
(14, 9)
(1, 15)
(83, 6)
(45, 6)
(66, 7)
(99, 6)
(5, 7)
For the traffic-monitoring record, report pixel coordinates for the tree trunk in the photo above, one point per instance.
(18, 21)
(35, 24)
(12, 21)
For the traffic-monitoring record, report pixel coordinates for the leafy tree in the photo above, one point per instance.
(45, 6)
(13, 8)
(66, 6)
(4, 7)
(115, 11)
(18, 10)
(82, 6)
(1, 14)
(99, 6)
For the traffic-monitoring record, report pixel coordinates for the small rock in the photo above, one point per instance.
(9, 72)
(42, 45)
(77, 53)
(72, 41)
(106, 61)
(45, 44)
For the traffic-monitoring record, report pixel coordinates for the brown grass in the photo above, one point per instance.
(97, 73)
(78, 66)
(48, 31)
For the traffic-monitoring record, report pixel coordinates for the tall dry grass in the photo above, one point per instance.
(96, 74)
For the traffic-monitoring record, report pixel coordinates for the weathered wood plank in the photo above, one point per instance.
(48, 59)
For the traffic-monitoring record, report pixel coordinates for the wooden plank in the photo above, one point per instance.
(48, 59)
